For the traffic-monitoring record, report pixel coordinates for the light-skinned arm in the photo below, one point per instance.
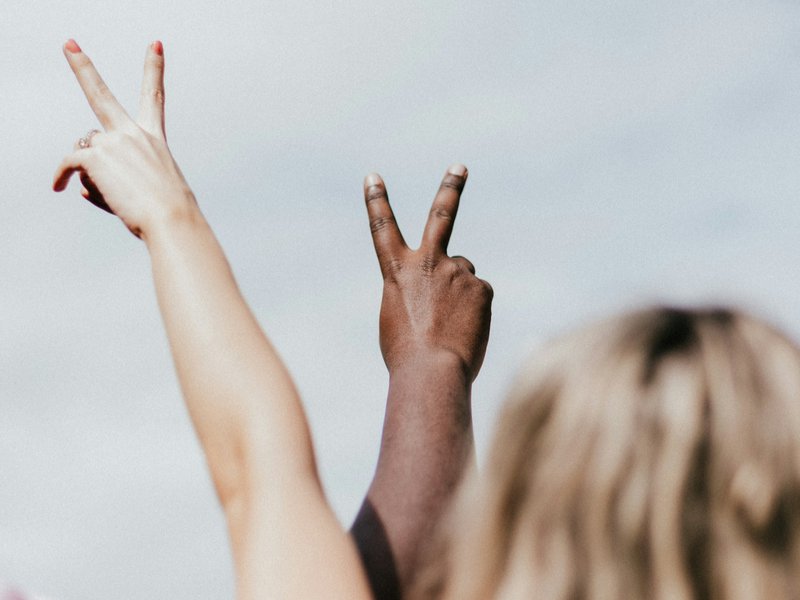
(434, 327)
(242, 401)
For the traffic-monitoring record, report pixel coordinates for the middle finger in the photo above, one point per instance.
(443, 212)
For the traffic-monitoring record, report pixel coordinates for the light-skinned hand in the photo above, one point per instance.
(128, 169)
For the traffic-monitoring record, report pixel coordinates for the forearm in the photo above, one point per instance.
(286, 541)
(241, 399)
(427, 444)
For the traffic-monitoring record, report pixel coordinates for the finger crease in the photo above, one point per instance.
(451, 185)
(441, 213)
(375, 194)
(379, 223)
(154, 93)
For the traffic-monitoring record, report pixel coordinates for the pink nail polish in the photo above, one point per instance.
(158, 47)
(72, 46)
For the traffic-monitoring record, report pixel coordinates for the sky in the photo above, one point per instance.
(620, 153)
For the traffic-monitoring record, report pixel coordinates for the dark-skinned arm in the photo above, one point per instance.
(434, 326)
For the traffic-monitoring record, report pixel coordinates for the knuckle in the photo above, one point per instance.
(117, 137)
(113, 141)
(452, 269)
(102, 91)
(452, 266)
(376, 192)
(153, 94)
(440, 212)
(466, 263)
(452, 182)
(378, 224)
(393, 266)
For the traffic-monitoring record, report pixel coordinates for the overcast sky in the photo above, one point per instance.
(619, 153)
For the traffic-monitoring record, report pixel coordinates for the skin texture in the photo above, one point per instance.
(245, 408)
(434, 327)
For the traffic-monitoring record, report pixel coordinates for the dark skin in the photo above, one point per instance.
(434, 327)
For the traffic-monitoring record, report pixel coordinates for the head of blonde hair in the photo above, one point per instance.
(653, 455)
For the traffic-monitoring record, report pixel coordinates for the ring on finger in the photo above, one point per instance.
(86, 141)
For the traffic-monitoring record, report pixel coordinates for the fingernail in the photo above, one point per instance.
(72, 46)
(458, 169)
(372, 179)
(158, 47)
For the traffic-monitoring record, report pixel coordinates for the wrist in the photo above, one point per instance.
(179, 214)
(430, 394)
(438, 362)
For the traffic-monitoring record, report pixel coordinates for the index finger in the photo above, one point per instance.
(105, 106)
(389, 243)
(443, 212)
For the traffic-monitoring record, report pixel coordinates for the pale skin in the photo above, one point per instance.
(434, 327)
(286, 540)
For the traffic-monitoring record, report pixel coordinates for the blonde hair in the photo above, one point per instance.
(654, 455)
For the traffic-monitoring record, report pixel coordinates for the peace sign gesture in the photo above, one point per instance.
(127, 169)
(431, 302)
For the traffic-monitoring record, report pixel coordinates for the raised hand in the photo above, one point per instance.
(127, 169)
(431, 302)
(434, 327)
(242, 400)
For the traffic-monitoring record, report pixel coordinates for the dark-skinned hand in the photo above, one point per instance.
(432, 303)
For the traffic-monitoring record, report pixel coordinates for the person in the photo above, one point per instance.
(435, 319)
(655, 454)
(434, 328)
